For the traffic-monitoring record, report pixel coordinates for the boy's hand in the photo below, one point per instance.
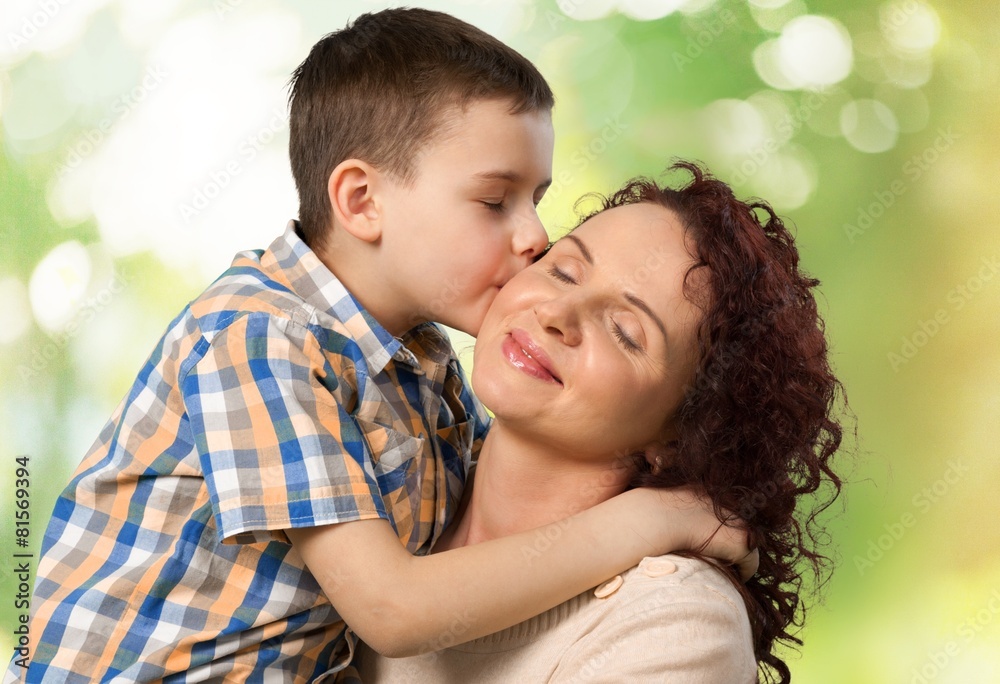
(686, 522)
(403, 605)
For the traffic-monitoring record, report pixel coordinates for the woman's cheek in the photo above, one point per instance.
(610, 369)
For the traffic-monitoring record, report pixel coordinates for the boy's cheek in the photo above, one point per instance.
(476, 320)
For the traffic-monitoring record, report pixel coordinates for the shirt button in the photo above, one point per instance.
(659, 568)
(609, 587)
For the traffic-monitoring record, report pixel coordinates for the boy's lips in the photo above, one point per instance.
(526, 355)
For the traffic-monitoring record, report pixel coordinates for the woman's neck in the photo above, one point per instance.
(520, 484)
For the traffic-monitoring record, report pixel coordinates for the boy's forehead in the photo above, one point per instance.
(458, 117)
(487, 134)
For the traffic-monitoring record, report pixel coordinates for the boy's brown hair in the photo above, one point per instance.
(378, 89)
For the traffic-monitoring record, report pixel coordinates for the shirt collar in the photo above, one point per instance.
(319, 287)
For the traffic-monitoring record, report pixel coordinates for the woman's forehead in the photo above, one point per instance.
(630, 231)
(637, 249)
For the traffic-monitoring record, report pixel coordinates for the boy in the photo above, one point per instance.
(243, 509)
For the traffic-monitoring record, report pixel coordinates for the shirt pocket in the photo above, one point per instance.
(394, 453)
(398, 461)
(456, 442)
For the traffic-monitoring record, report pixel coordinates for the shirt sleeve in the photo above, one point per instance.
(686, 633)
(276, 445)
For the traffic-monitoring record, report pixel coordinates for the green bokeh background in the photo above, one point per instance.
(142, 146)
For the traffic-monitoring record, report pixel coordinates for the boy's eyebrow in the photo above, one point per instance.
(509, 176)
(636, 301)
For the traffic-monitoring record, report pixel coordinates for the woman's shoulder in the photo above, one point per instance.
(666, 583)
(668, 614)
(673, 572)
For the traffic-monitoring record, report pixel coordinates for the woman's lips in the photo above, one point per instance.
(523, 354)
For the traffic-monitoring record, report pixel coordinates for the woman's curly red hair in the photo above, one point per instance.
(757, 429)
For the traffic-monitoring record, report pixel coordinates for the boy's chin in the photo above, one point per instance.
(470, 324)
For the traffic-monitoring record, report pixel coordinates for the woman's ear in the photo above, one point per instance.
(657, 456)
(351, 190)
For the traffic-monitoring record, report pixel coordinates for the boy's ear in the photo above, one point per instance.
(351, 189)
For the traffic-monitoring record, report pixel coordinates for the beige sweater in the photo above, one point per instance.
(672, 619)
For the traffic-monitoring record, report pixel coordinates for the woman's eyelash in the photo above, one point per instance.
(561, 275)
(496, 207)
(626, 341)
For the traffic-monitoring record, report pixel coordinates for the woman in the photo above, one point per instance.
(670, 340)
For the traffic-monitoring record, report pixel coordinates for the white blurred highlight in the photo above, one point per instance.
(15, 311)
(29, 26)
(640, 10)
(910, 25)
(869, 125)
(58, 284)
(737, 127)
(649, 10)
(202, 160)
(814, 51)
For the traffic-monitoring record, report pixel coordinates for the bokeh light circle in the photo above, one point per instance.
(14, 309)
(769, 4)
(814, 51)
(649, 10)
(587, 10)
(58, 284)
(910, 25)
(869, 125)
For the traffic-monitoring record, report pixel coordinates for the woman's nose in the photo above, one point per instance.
(559, 316)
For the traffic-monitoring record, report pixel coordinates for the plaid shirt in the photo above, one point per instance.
(273, 401)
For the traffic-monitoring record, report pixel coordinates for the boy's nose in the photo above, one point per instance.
(530, 238)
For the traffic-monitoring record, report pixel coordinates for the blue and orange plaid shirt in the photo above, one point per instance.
(274, 400)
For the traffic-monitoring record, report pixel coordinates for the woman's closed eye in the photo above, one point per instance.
(561, 275)
(495, 207)
(626, 340)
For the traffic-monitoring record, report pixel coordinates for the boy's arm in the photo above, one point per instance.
(283, 459)
(403, 605)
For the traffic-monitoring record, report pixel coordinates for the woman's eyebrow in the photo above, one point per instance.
(636, 301)
(640, 304)
(583, 248)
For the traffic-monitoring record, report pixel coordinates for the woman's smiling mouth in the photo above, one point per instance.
(522, 352)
